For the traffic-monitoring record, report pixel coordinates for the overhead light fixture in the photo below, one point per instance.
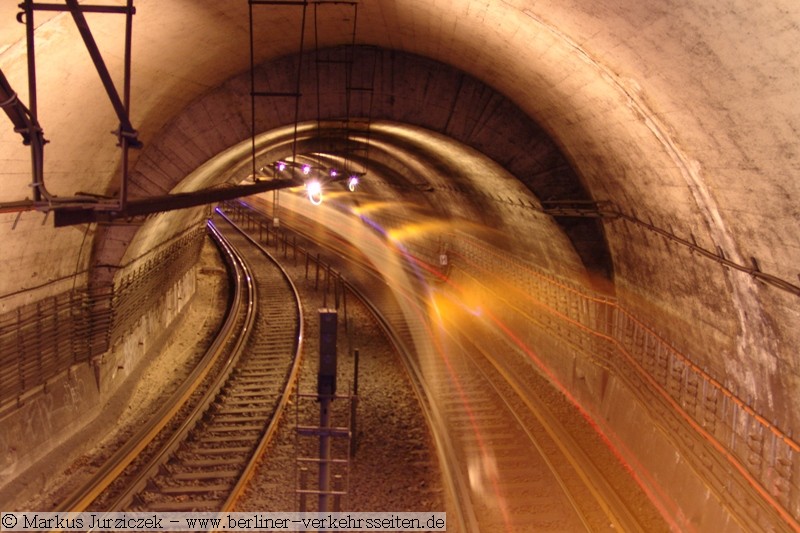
(281, 166)
(352, 183)
(306, 169)
(314, 189)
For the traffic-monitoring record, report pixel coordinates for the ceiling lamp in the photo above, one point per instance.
(352, 183)
(314, 189)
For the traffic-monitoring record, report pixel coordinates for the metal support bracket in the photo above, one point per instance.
(26, 120)
(120, 107)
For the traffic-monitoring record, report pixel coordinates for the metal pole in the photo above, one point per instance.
(327, 279)
(344, 304)
(303, 486)
(336, 283)
(326, 390)
(37, 163)
(252, 96)
(337, 498)
(124, 141)
(354, 405)
(324, 451)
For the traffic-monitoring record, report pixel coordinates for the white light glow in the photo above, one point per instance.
(314, 189)
(352, 183)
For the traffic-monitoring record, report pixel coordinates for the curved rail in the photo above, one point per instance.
(232, 415)
(166, 450)
(270, 430)
(206, 465)
(111, 469)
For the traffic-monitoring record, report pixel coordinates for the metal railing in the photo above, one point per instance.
(39, 341)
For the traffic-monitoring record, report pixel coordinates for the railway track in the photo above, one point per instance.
(500, 465)
(228, 414)
(508, 463)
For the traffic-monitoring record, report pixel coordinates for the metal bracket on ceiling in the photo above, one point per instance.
(25, 124)
(143, 207)
(87, 208)
(334, 58)
(26, 120)
(293, 93)
(121, 105)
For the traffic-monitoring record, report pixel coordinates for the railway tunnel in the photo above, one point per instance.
(641, 158)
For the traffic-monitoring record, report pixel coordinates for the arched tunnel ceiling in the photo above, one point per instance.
(680, 113)
(404, 191)
(442, 100)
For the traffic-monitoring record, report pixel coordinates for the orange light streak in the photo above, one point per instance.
(627, 356)
(711, 439)
(454, 379)
(666, 506)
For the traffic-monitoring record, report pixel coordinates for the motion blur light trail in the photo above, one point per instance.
(409, 226)
(461, 297)
(735, 462)
(417, 230)
(427, 314)
(376, 206)
(469, 301)
(486, 456)
(430, 306)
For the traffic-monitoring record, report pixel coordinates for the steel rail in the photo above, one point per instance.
(80, 499)
(242, 470)
(242, 335)
(272, 427)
